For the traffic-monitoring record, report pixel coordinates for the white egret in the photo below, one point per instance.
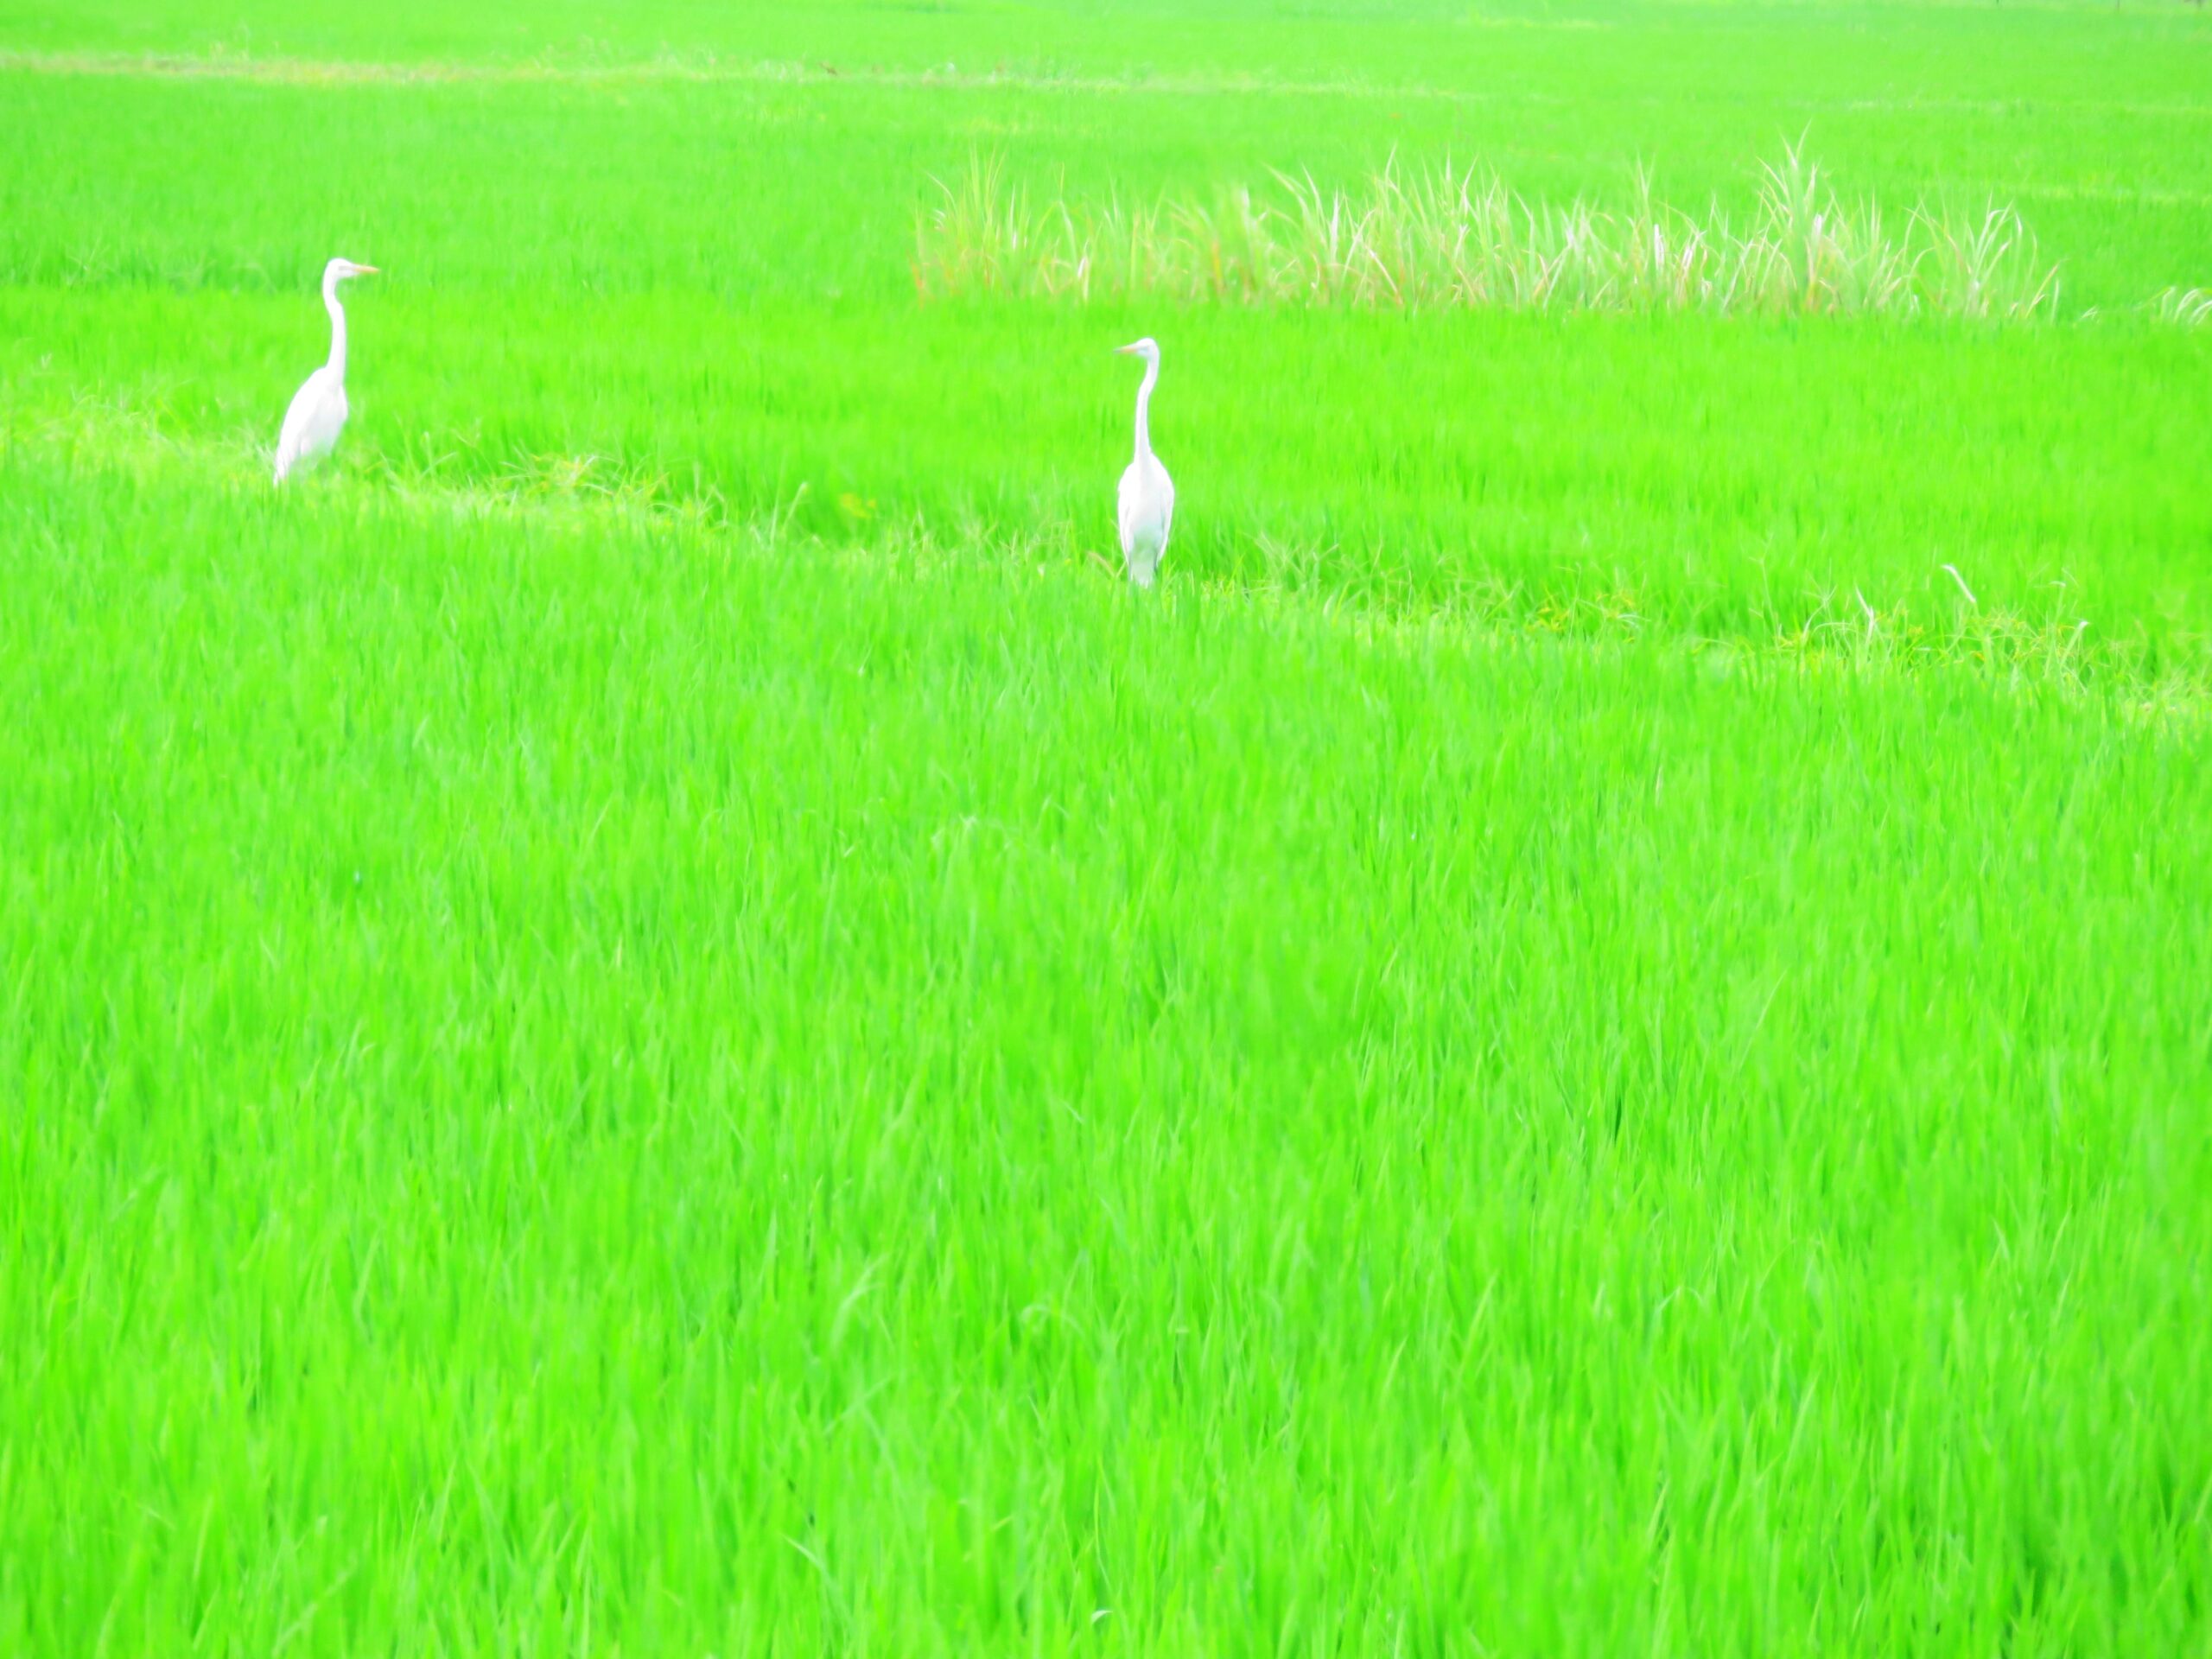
(318, 412)
(1148, 493)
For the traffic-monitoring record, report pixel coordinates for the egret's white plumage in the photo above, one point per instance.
(317, 415)
(1148, 493)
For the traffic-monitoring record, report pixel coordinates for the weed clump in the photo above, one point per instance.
(1432, 239)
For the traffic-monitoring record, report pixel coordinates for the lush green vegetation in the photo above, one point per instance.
(653, 1018)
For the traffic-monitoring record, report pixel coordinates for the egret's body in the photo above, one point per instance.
(317, 414)
(1147, 498)
(312, 423)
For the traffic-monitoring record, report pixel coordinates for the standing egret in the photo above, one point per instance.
(1148, 493)
(318, 412)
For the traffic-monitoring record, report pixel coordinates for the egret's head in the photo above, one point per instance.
(1146, 348)
(339, 269)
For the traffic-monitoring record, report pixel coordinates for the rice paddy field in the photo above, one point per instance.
(655, 1015)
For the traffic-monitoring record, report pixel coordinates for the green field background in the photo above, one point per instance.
(653, 1018)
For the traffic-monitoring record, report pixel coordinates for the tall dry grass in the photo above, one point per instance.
(1446, 236)
(2190, 308)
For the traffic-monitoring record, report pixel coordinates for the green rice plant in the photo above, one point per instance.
(1446, 236)
(586, 1082)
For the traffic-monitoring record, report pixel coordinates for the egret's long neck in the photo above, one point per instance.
(1144, 408)
(337, 325)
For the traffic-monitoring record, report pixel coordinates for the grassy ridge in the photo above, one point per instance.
(632, 1082)
(1713, 479)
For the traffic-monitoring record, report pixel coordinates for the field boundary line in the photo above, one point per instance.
(2004, 654)
(784, 72)
(703, 71)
